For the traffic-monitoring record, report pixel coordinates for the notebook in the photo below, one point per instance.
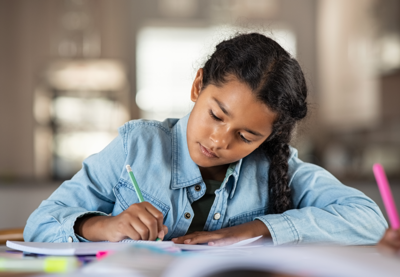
(79, 248)
(204, 247)
(91, 248)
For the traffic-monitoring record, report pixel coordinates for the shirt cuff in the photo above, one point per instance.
(281, 228)
(68, 225)
(81, 239)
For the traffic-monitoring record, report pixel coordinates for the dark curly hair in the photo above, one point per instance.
(277, 80)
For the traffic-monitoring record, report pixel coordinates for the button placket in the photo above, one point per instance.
(218, 212)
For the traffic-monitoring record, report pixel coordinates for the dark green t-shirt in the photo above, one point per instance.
(202, 207)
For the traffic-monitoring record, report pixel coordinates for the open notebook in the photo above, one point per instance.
(91, 248)
(79, 248)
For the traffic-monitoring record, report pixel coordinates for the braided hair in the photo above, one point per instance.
(276, 80)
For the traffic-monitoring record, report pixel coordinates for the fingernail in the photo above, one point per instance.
(211, 243)
(161, 234)
(187, 241)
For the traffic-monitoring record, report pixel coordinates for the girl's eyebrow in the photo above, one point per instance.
(223, 108)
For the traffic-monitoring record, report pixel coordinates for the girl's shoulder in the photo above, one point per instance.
(258, 156)
(138, 125)
(146, 134)
(295, 164)
(301, 170)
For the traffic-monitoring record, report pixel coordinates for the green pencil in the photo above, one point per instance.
(137, 189)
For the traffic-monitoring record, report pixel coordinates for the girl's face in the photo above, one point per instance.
(227, 123)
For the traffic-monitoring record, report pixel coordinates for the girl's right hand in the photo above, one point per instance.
(141, 221)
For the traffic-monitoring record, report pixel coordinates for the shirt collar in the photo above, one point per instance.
(184, 171)
(234, 170)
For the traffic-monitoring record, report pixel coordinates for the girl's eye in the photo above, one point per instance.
(214, 116)
(219, 119)
(244, 139)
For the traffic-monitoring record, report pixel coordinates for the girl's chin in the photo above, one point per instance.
(204, 162)
(207, 163)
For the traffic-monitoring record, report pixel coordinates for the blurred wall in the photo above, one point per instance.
(18, 202)
(28, 30)
(27, 33)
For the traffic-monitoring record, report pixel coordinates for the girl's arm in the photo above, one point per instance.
(79, 209)
(89, 192)
(325, 211)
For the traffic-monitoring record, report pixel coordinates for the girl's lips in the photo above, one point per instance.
(207, 152)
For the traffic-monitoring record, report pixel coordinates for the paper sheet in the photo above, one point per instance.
(79, 248)
(202, 247)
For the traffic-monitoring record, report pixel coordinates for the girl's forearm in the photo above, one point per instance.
(91, 227)
(261, 229)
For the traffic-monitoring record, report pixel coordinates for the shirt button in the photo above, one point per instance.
(187, 215)
(197, 188)
(217, 216)
(70, 239)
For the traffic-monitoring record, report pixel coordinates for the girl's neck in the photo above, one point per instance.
(216, 173)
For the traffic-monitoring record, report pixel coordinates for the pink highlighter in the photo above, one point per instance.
(387, 196)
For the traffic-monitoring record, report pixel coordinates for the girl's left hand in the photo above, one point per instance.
(226, 236)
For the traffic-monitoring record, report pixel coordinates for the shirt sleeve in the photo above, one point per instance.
(326, 211)
(90, 191)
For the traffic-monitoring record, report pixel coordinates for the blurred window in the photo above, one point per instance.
(167, 61)
(77, 112)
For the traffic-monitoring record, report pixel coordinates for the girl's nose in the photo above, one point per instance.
(220, 138)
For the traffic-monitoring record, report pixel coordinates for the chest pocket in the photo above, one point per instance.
(126, 196)
(246, 217)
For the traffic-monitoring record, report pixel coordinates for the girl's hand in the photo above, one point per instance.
(141, 221)
(390, 242)
(226, 236)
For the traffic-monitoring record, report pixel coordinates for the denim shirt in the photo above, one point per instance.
(324, 209)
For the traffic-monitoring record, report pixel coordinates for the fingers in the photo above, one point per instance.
(157, 229)
(141, 221)
(165, 228)
(132, 227)
(223, 242)
(162, 233)
(184, 238)
(211, 238)
(224, 236)
(119, 228)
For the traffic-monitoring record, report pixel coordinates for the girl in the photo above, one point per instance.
(223, 173)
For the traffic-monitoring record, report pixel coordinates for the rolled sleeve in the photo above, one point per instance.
(281, 228)
(325, 211)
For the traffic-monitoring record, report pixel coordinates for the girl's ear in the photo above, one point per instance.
(197, 84)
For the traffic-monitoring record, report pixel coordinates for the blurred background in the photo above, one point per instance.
(73, 71)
